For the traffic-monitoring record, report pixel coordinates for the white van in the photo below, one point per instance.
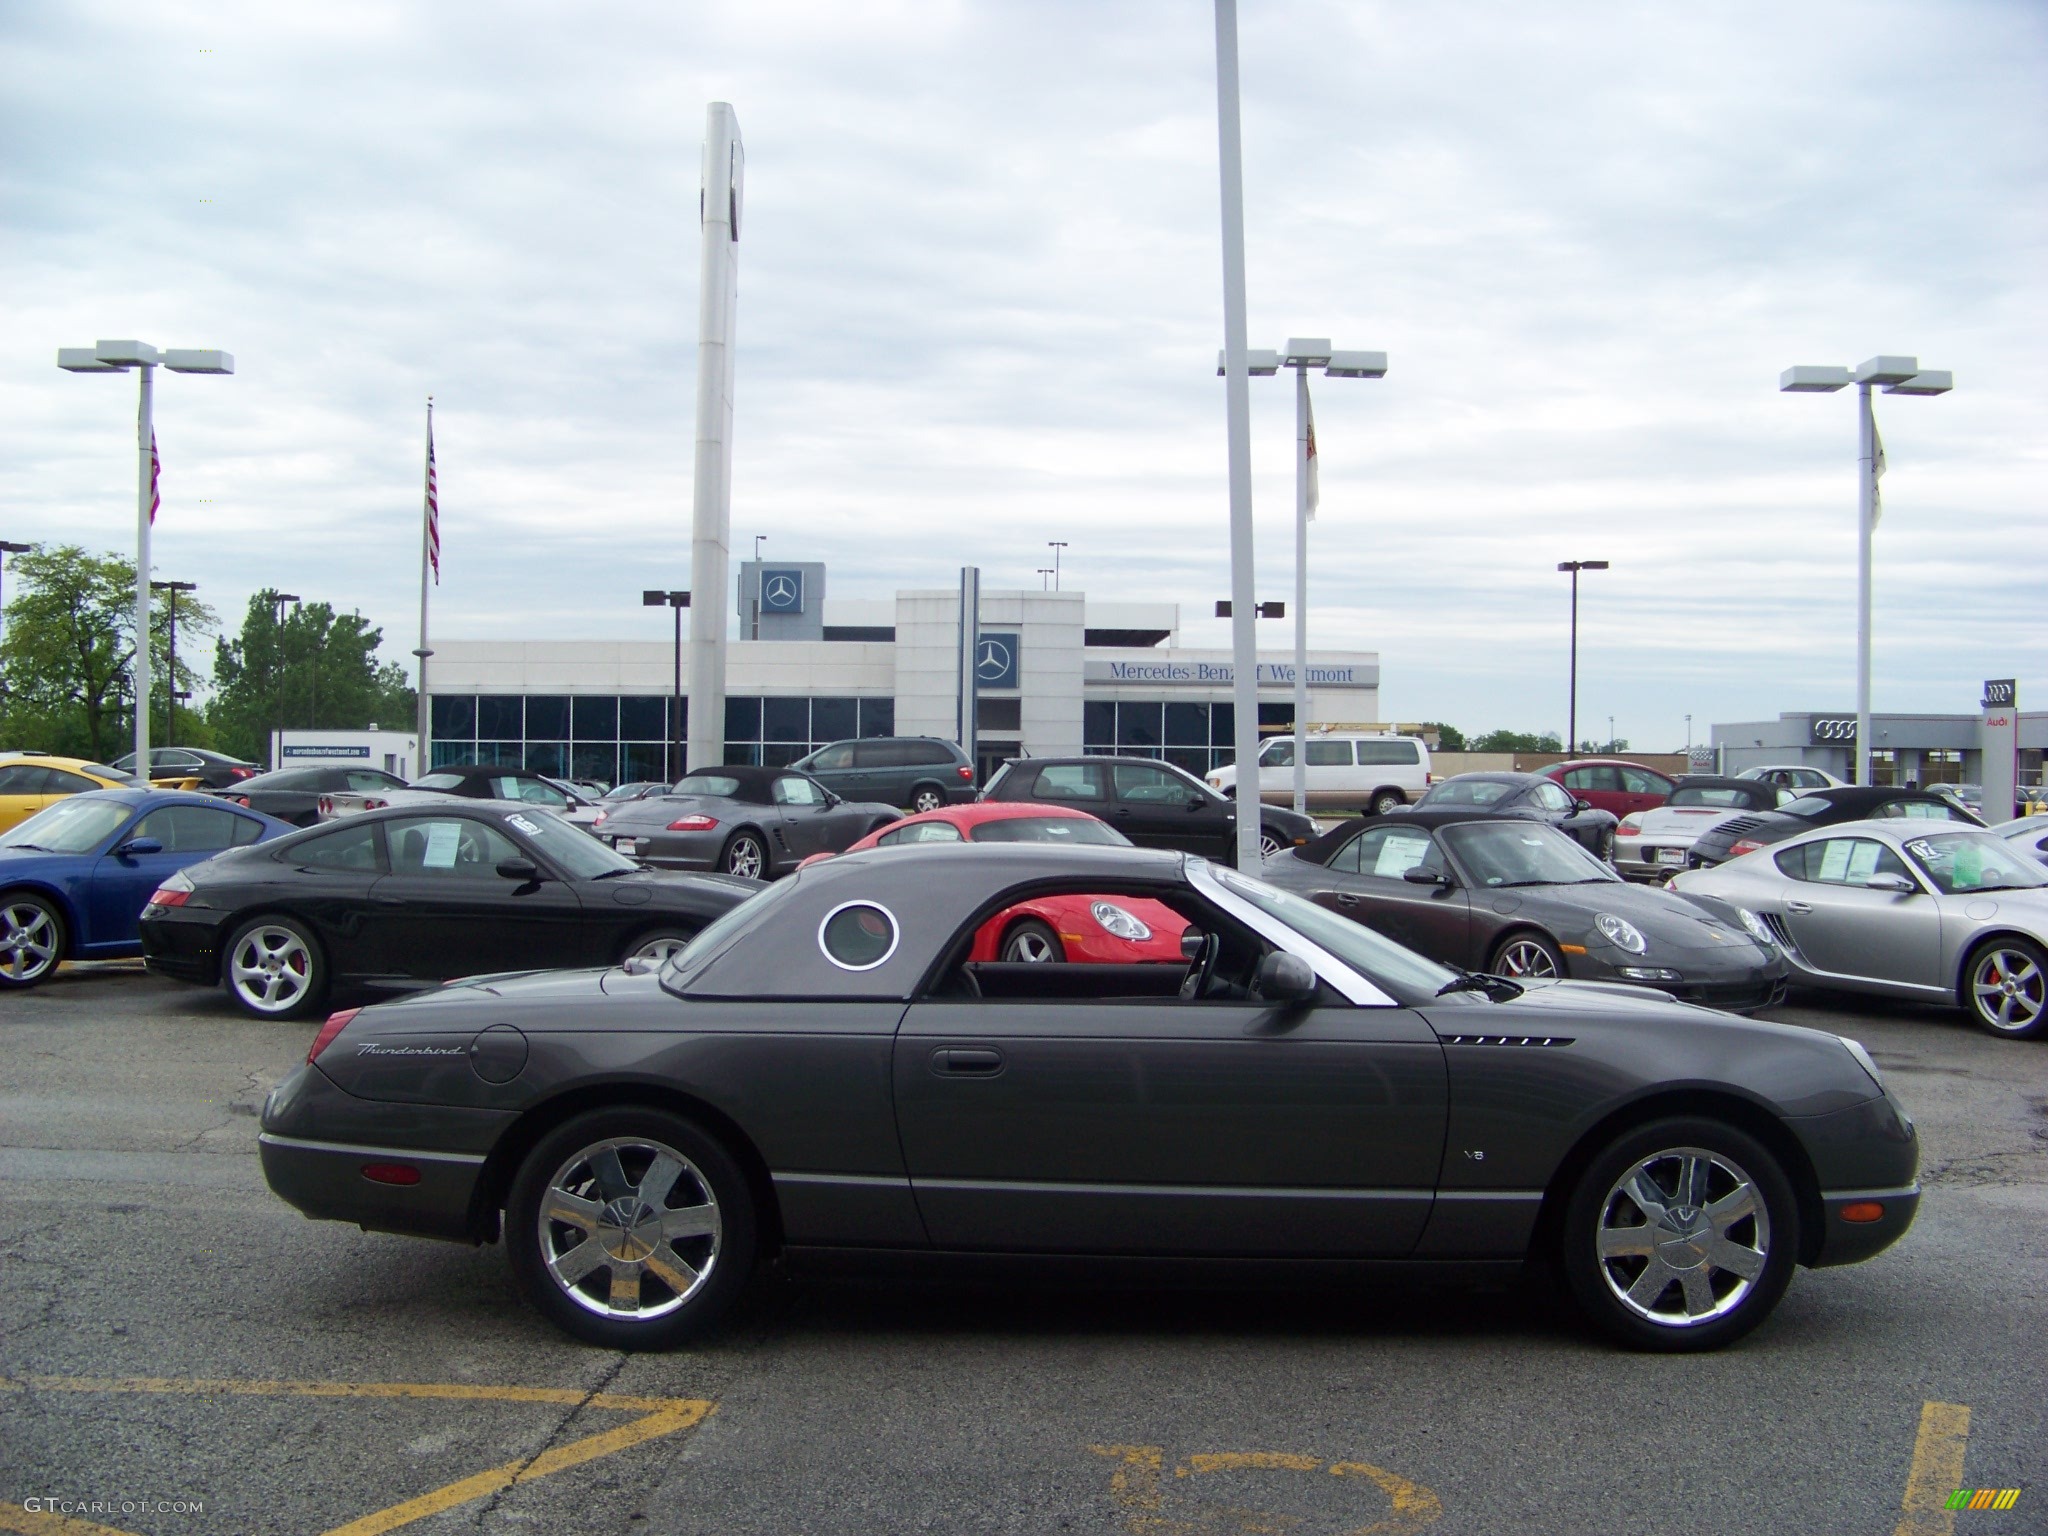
(1346, 772)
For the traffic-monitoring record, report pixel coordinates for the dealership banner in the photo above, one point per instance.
(1221, 674)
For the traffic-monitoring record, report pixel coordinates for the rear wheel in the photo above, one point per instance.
(651, 950)
(1681, 1235)
(1033, 943)
(927, 797)
(630, 1228)
(31, 938)
(746, 855)
(2005, 988)
(1527, 957)
(273, 969)
(1385, 801)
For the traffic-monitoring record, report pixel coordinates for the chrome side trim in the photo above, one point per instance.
(1870, 1194)
(1490, 1194)
(856, 1180)
(1171, 1191)
(266, 1138)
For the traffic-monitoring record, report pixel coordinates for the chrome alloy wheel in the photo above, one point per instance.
(745, 857)
(2007, 987)
(927, 800)
(629, 1228)
(656, 952)
(1528, 958)
(270, 968)
(1031, 946)
(28, 941)
(1268, 845)
(1683, 1237)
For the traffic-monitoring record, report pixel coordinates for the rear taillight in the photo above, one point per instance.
(1631, 825)
(391, 1173)
(241, 773)
(374, 804)
(598, 819)
(1742, 846)
(336, 1023)
(966, 772)
(327, 805)
(239, 799)
(166, 897)
(696, 823)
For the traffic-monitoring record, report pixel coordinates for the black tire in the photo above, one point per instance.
(2005, 988)
(1032, 942)
(1721, 1274)
(1386, 800)
(1527, 955)
(32, 939)
(927, 797)
(273, 968)
(654, 946)
(745, 854)
(680, 1283)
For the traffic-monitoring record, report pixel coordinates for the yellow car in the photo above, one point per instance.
(31, 780)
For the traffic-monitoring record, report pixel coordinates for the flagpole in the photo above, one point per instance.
(1866, 505)
(427, 514)
(1301, 452)
(145, 487)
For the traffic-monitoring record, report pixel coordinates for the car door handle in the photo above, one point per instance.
(1345, 898)
(954, 1062)
(1798, 906)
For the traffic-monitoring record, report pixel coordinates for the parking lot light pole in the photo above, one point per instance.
(277, 602)
(678, 601)
(119, 357)
(7, 548)
(1897, 376)
(1055, 545)
(1571, 745)
(172, 589)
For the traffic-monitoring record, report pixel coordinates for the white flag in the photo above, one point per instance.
(1315, 485)
(1876, 474)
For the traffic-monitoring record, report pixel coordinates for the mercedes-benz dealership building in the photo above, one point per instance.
(1055, 673)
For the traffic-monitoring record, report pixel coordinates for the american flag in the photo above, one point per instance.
(433, 505)
(155, 468)
(1315, 479)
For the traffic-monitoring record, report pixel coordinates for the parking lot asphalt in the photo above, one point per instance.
(172, 1336)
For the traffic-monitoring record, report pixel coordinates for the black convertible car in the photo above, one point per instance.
(1523, 900)
(824, 1073)
(1525, 796)
(293, 794)
(404, 898)
(1738, 835)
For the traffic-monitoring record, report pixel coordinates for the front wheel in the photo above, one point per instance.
(927, 798)
(31, 939)
(630, 1228)
(273, 969)
(1268, 844)
(2005, 988)
(1033, 943)
(1527, 957)
(1681, 1235)
(746, 855)
(652, 950)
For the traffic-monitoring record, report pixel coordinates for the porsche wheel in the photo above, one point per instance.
(650, 951)
(1269, 844)
(31, 939)
(273, 969)
(1033, 943)
(2005, 988)
(746, 855)
(1527, 957)
(1681, 1235)
(630, 1228)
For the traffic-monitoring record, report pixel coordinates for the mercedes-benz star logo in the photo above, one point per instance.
(991, 660)
(781, 592)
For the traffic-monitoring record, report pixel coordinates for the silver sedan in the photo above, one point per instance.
(1908, 909)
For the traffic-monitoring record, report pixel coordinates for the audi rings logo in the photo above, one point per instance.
(2000, 692)
(782, 591)
(1834, 728)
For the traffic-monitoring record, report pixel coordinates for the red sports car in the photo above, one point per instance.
(1102, 930)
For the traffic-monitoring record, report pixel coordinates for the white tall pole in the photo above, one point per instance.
(1244, 647)
(711, 491)
(1300, 588)
(1866, 503)
(429, 493)
(144, 425)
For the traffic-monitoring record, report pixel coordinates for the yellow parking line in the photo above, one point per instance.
(1134, 1487)
(1936, 1470)
(660, 1416)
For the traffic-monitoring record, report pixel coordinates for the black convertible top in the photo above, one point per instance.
(752, 783)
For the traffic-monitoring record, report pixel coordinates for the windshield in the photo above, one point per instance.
(1467, 792)
(1050, 829)
(582, 855)
(713, 939)
(1378, 959)
(77, 825)
(1973, 861)
(1524, 853)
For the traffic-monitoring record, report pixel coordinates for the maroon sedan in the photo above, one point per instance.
(1612, 784)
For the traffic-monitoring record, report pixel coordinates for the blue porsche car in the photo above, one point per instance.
(75, 877)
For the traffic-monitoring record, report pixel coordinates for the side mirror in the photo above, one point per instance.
(523, 870)
(1898, 885)
(1579, 807)
(137, 846)
(1283, 978)
(1197, 802)
(1420, 876)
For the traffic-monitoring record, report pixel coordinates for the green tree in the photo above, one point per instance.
(302, 669)
(64, 667)
(1517, 741)
(1448, 737)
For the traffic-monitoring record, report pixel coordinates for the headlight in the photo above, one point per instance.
(1863, 1060)
(1756, 928)
(1117, 921)
(1621, 933)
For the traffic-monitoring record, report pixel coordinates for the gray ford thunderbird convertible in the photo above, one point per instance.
(823, 1073)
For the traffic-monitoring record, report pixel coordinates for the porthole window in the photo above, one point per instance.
(858, 936)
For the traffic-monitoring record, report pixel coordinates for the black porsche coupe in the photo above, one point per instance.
(825, 1073)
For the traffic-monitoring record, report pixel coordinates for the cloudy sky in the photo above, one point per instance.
(980, 299)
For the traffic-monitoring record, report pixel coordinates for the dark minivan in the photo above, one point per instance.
(918, 772)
